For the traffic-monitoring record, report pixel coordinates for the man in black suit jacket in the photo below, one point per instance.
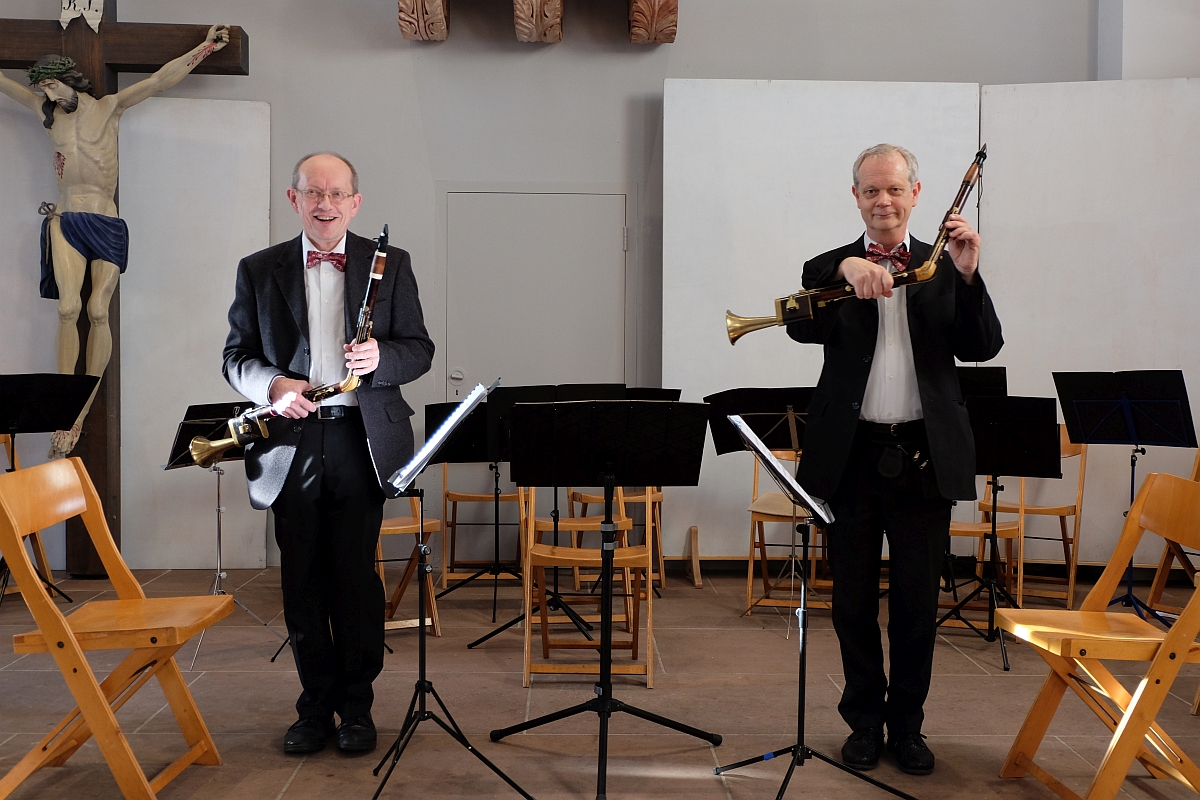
(888, 442)
(323, 471)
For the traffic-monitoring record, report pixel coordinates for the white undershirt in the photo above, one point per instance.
(325, 290)
(892, 394)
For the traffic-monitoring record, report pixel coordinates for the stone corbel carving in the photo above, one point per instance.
(538, 20)
(653, 21)
(424, 20)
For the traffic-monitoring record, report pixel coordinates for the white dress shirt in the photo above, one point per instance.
(892, 394)
(325, 290)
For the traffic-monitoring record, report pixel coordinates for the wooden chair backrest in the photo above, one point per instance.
(1196, 467)
(1168, 506)
(527, 510)
(10, 449)
(782, 455)
(35, 498)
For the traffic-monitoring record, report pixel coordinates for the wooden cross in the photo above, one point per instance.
(117, 47)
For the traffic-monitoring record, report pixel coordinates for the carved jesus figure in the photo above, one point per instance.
(83, 227)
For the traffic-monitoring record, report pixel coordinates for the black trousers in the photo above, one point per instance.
(327, 520)
(906, 508)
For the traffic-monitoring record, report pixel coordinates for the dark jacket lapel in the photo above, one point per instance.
(289, 275)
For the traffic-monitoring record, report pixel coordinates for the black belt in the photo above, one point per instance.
(335, 412)
(894, 431)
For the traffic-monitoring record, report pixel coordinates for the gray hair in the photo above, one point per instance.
(339, 157)
(887, 150)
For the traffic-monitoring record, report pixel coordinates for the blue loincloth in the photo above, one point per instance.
(97, 238)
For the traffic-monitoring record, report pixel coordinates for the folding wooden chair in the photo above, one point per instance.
(153, 628)
(776, 507)
(454, 568)
(634, 563)
(1172, 552)
(653, 525)
(35, 539)
(1070, 540)
(410, 525)
(1074, 643)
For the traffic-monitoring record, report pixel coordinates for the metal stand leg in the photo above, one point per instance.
(418, 710)
(221, 574)
(800, 752)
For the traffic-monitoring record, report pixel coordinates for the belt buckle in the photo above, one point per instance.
(893, 429)
(329, 412)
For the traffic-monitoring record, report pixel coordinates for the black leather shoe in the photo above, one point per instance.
(911, 754)
(307, 735)
(862, 749)
(356, 735)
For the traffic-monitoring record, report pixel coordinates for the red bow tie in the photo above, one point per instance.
(337, 259)
(899, 258)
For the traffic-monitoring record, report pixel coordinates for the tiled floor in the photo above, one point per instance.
(717, 670)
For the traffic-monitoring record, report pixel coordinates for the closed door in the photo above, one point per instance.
(535, 289)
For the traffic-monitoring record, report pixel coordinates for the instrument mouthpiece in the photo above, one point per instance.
(383, 240)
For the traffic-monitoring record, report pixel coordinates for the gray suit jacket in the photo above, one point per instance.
(268, 337)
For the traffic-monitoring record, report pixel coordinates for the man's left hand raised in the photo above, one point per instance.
(963, 246)
(362, 359)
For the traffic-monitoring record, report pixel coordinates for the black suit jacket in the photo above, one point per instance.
(946, 319)
(268, 337)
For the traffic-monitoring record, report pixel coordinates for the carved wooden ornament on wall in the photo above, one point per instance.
(650, 21)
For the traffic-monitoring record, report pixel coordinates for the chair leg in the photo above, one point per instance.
(431, 603)
(661, 559)
(765, 568)
(1037, 721)
(649, 640)
(527, 584)
(637, 607)
(750, 572)
(543, 612)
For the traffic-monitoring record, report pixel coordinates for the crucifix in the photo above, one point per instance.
(89, 35)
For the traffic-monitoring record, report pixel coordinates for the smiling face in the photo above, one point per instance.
(324, 221)
(58, 92)
(885, 197)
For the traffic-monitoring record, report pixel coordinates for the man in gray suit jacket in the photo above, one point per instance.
(323, 470)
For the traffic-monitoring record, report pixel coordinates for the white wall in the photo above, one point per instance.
(482, 107)
(1148, 39)
(174, 298)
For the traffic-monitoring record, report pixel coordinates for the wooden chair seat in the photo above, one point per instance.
(151, 629)
(1007, 529)
(631, 557)
(125, 624)
(1091, 634)
(1046, 511)
(1074, 643)
(776, 504)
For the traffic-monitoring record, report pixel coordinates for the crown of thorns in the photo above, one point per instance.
(50, 68)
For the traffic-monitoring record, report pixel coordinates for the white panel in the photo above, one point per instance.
(1088, 212)
(27, 322)
(195, 190)
(757, 181)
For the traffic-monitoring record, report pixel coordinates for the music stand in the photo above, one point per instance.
(799, 751)
(468, 444)
(635, 442)
(41, 402)
(418, 710)
(776, 416)
(1134, 408)
(1017, 437)
(210, 420)
(500, 444)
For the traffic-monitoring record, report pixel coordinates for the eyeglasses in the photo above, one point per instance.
(314, 196)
